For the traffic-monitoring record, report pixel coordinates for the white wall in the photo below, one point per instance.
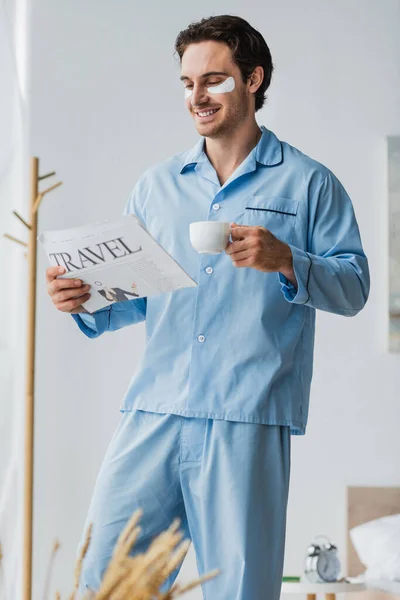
(106, 102)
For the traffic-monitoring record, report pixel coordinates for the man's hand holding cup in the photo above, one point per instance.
(257, 248)
(251, 246)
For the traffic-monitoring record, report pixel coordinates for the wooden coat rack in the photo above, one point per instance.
(36, 197)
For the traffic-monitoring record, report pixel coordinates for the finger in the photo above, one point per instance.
(67, 294)
(238, 256)
(62, 284)
(79, 309)
(52, 272)
(236, 246)
(69, 305)
(240, 232)
(242, 263)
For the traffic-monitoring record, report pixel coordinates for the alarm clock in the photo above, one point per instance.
(322, 563)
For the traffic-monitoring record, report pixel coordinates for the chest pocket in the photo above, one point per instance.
(276, 213)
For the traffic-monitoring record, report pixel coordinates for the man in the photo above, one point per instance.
(226, 373)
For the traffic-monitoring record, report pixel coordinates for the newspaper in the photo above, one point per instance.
(119, 259)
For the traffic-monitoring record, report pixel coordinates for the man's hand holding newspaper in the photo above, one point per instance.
(67, 295)
(116, 261)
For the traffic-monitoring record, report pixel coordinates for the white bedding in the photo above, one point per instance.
(385, 585)
(377, 545)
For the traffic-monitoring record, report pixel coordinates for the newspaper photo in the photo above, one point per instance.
(119, 259)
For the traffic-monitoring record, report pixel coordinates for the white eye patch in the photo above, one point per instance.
(222, 88)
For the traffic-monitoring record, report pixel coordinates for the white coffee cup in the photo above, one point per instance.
(209, 237)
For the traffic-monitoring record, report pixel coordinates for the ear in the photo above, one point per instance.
(256, 79)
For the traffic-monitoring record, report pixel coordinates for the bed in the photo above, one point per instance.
(365, 504)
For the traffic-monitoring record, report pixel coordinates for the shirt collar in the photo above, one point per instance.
(268, 151)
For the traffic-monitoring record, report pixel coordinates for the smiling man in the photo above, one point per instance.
(225, 377)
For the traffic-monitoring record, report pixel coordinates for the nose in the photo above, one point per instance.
(199, 95)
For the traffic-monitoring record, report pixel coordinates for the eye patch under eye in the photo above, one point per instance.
(222, 88)
(226, 86)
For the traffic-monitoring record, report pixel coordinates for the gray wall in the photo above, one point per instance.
(106, 102)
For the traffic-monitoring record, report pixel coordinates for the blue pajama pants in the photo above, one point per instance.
(227, 481)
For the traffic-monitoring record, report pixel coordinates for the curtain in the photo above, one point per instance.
(14, 194)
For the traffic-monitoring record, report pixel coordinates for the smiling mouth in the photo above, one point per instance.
(206, 114)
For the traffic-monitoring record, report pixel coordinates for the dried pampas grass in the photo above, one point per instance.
(141, 576)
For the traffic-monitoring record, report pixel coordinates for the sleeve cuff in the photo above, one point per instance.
(93, 325)
(302, 267)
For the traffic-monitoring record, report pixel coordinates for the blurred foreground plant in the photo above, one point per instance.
(140, 577)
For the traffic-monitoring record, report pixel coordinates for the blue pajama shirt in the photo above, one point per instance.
(239, 347)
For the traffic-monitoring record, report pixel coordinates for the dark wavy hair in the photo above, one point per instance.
(249, 49)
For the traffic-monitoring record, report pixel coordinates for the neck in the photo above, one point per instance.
(227, 152)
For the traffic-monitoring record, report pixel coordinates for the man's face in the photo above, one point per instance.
(206, 65)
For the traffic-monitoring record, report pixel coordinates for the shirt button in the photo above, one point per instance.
(216, 206)
(201, 338)
(209, 270)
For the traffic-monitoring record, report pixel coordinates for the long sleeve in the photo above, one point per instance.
(118, 314)
(333, 275)
(111, 318)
